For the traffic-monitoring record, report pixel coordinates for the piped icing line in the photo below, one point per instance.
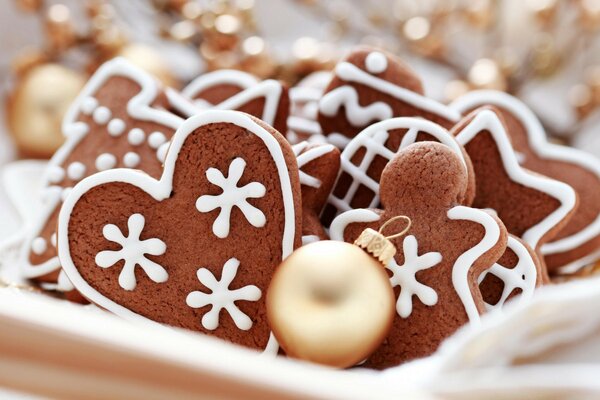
(373, 139)
(540, 145)
(462, 265)
(305, 157)
(299, 124)
(487, 120)
(357, 115)
(523, 276)
(241, 79)
(351, 73)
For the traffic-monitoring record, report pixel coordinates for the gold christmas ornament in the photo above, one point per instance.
(150, 60)
(36, 106)
(331, 302)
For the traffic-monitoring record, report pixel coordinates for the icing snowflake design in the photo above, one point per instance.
(232, 196)
(405, 276)
(133, 252)
(222, 297)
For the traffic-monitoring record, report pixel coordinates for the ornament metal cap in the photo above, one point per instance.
(377, 244)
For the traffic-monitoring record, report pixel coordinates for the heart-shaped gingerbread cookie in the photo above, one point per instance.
(197, 248)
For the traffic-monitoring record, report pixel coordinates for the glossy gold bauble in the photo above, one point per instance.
(331, 303)
(36, 106)
(149, 60)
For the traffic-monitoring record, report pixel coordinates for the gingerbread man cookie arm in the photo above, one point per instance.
(539, 143)
(161, 189)
(487, 120)
(466, 261)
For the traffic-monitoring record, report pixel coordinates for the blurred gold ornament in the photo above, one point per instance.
(590, 14)
(544, 10)
(36, 106)
(545, 57)
(60, 30)
(149, 60)
(480, 13)
(29, 5)
(183, 31)
(421, 37)
(486, 74)
(581, 99)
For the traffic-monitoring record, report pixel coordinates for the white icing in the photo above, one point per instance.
(76, 170)
(232, 196)
(487, 120)
(339, 224)
(405, 276)
(101, 115)
(161, 153)
(65, 192)
(156, 139)
(136, 136)
(305, 157)
(88, 105)
(133, 253)
(222, 297)
(162, 189)
(139, 107)
(105, 161)
(116, 127)
(372, 140)
(131, 159)
(307, 239)
(376, 62)
(39, 245)
(523, 276)
(55, 174)
(538, 142)
(233, 77)
(304, 125)
(462, 265)
(53, 239)
(357, 115)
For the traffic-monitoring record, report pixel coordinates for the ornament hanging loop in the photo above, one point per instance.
(394, 219)
(377, 244)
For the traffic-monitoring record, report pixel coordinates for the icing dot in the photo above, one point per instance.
(376, 62)
(101, 115)
(136, 136)
(105, 161)
(55, 174)
(38, 245)
(53, 239)
(75, 170)
(115, 127)
(156, 139)
(88, 105)
(65, 193)
(131, 159)
(161, 153)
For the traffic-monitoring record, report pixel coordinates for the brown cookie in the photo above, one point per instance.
(448, 246)
(370, 85)
(365, 157)
(532, 207)
(578, 243)
(236, 90)
(120, 119)
(319, 165)
(197, 248)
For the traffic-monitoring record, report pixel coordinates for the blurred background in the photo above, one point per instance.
(547, 52)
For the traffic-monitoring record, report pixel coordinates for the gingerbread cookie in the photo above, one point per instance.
(578, 243)
(319, 165)
(365, 157)
(120, 119)
(236, 90)
(197, 248)
(448, 246)
(369, 86)
(531, 206)
(304, 99)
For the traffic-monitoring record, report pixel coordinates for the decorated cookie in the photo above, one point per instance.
(438, 262)
(369, 86)
(365, 157)
(578, 243)
(118, 120)
(304, 99)
(236, 90)
(319, 165)
(196, 248)
(532, 206)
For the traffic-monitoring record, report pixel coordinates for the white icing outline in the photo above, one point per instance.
(139, 107)
(305, 157)
(487, 120)
(161, 189)
(373, 139)
(233, 77)
(539, 144)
